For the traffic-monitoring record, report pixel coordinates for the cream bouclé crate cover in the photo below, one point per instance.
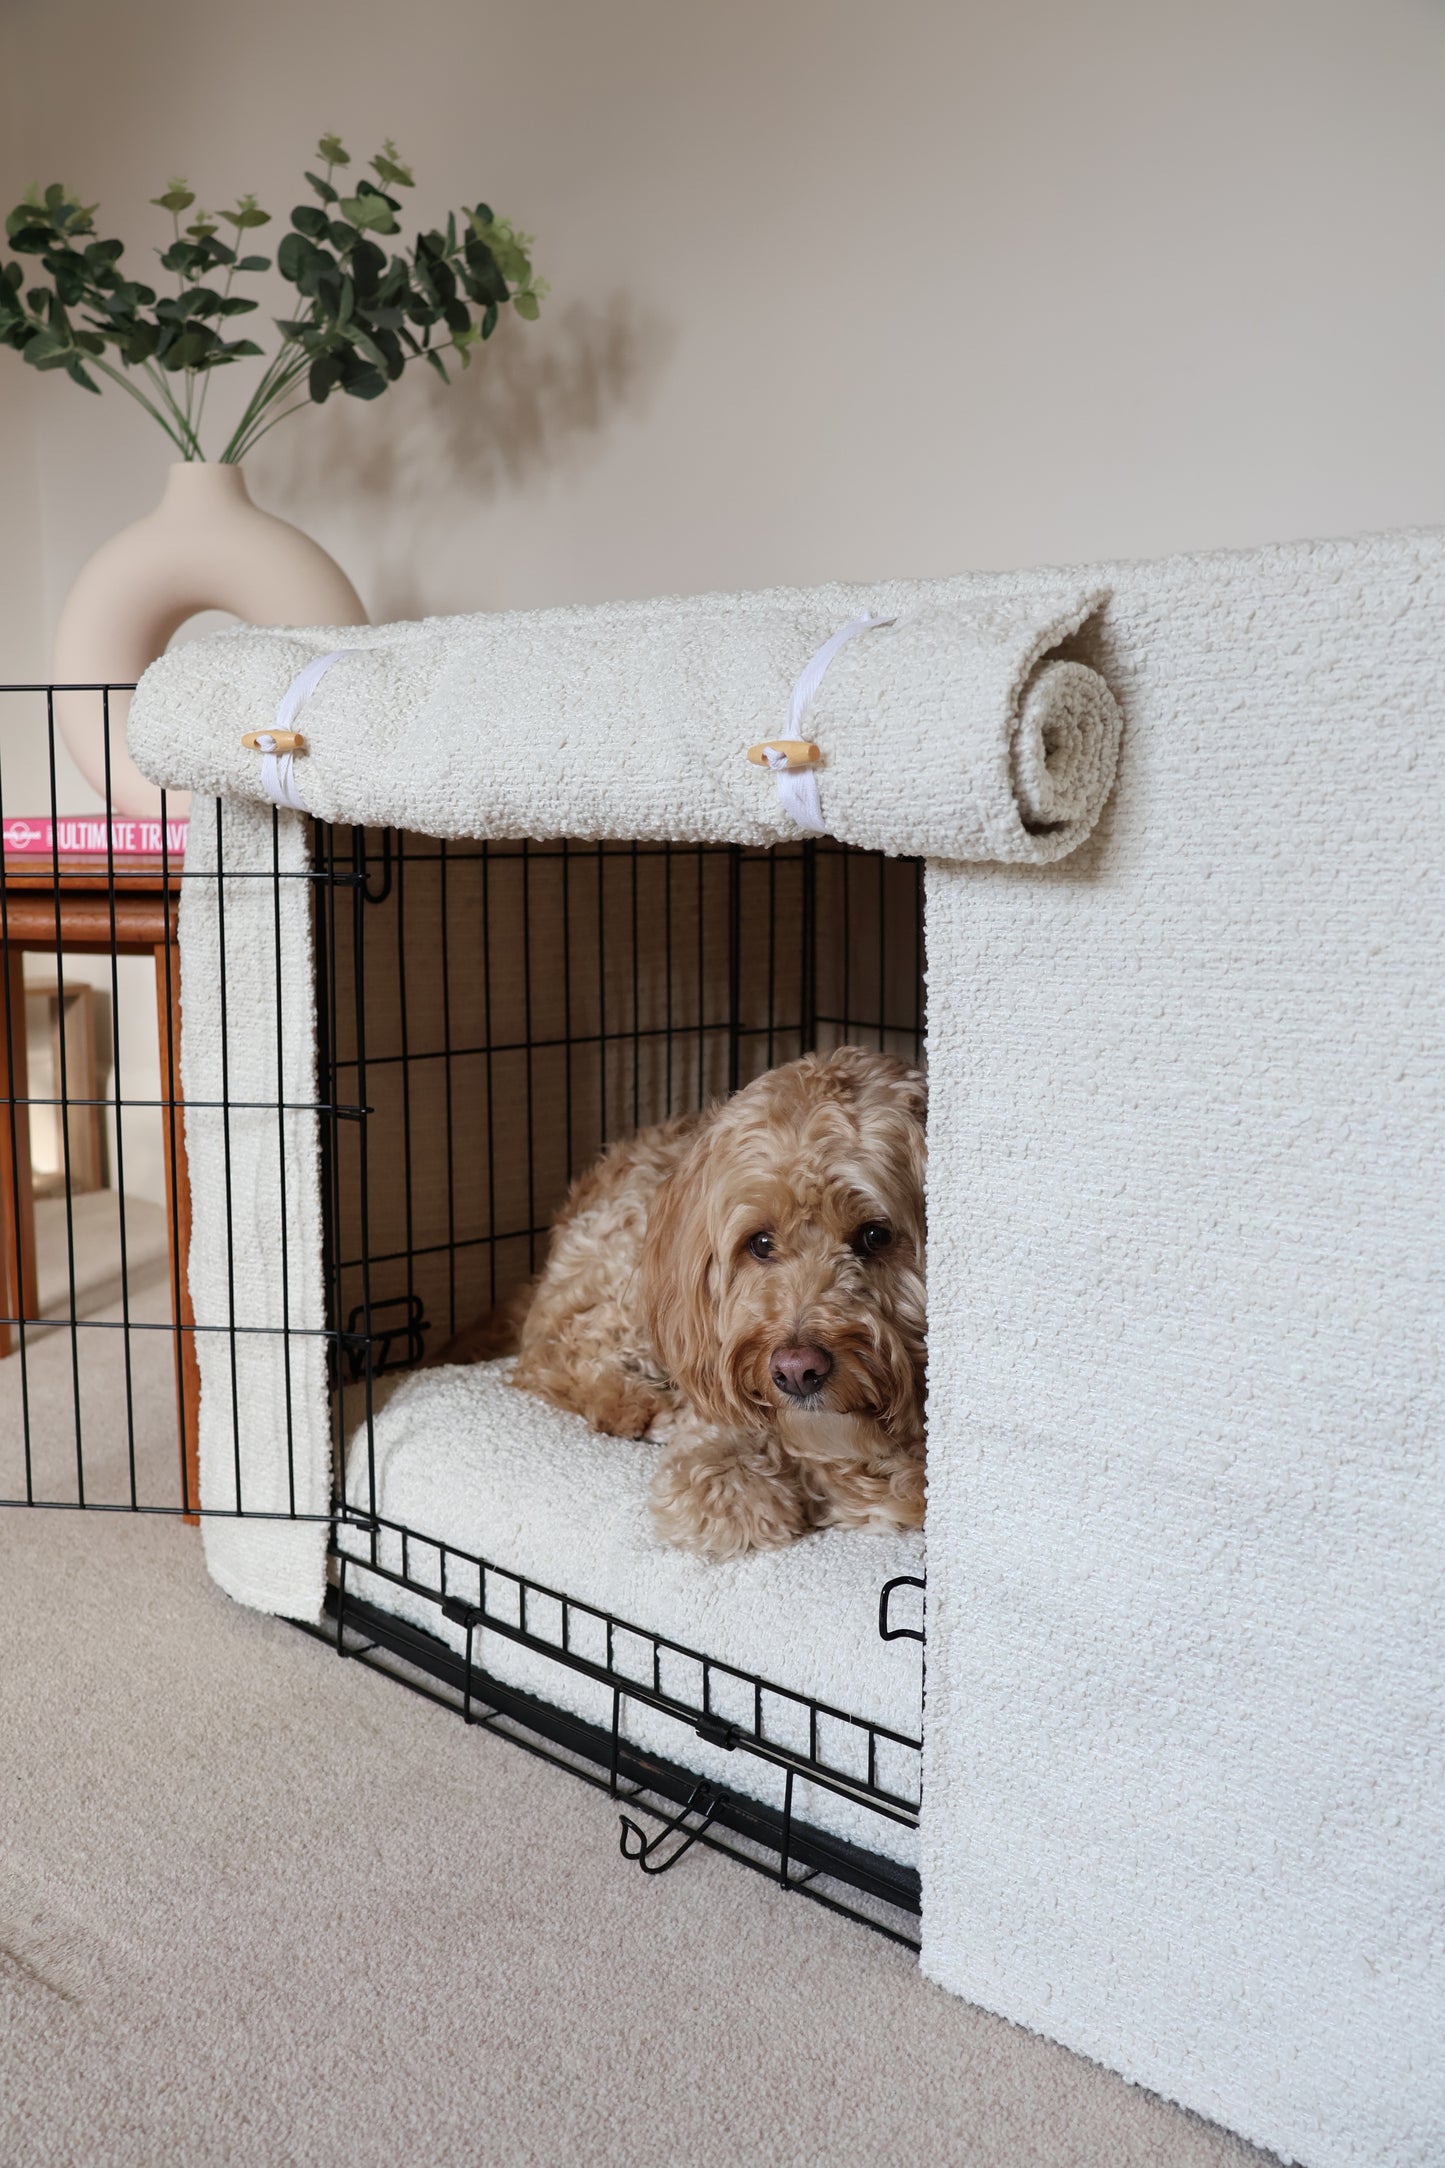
(1184, 1806)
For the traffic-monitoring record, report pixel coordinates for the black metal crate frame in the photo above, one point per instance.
(842, 900)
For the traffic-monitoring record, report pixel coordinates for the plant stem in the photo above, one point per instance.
(256, 435)
(183, 418)
(187, 440)
(140, 398)
(280, 375)
(257, 401)
(209, 373)
(276, 380)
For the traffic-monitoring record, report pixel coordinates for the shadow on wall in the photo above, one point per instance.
(414, 467)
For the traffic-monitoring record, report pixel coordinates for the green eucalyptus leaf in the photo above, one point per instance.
(307, 218)
(371, 213)
(323, 377)
(191, 351)
(176, 198)
(436, 362)
(292, 254)
(486, 281)
(368, 263)
(527, 306)
(489, 319)
(387, 167)
(79, 374)
(126, 297)
(323, 189)
(365, 344)
(369, 385)
(331, 150)
(253, 263)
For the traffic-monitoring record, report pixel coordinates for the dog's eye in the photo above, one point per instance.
(871, 1237)
(761, 1245)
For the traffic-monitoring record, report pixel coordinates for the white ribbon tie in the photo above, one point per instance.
(798, 787)
(278, 774)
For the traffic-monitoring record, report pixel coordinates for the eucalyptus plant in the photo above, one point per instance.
(362, 316)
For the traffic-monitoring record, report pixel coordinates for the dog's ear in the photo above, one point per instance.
(913, 1093)
(678, 1295)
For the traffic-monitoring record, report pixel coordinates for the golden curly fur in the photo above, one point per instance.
(747, 1283)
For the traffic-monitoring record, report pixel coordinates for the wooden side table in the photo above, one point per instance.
(74, 907)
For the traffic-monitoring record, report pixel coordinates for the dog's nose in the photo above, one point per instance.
(799, 1371)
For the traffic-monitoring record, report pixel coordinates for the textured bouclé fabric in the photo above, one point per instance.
(958, 731)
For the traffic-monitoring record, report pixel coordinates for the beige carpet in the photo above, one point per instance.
(258, 1906)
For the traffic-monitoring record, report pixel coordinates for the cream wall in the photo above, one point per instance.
(838, 289)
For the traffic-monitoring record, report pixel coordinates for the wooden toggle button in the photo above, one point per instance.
(800, 752)
(277, 741)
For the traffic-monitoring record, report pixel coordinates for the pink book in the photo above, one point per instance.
(90, 835)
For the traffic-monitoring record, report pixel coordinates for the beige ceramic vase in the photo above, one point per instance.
(206, 546)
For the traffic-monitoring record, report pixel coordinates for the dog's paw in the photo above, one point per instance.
(719, 1497)
(861, 1497)
(623, 1406)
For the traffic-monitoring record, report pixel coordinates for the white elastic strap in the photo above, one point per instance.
(278, 772)
(798, 787)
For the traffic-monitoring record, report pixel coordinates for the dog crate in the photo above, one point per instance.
(1184, 1513)
(487, 1017)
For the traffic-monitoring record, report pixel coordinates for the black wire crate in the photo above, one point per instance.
(487, 1017)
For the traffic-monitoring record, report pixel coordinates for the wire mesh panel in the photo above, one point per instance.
(98, 1401)
(503, 1011)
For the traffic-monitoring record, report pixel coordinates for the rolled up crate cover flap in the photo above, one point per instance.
(965, 728)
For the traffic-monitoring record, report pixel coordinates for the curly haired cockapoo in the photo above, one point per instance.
(747, 1284)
